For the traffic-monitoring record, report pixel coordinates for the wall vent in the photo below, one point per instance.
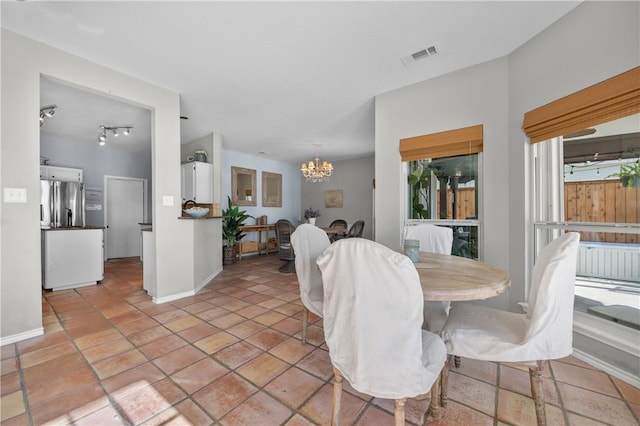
(411, 58)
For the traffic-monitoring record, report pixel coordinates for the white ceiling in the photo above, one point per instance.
(272, 77)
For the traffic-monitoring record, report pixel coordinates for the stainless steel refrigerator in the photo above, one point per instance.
(61, 204)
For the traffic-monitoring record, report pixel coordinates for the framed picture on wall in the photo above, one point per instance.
(333, 198)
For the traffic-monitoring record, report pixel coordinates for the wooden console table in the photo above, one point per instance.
(258, 246)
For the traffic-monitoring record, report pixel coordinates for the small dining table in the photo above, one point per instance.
(448, 278)
(335, 230)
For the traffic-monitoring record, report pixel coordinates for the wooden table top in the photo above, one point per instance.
(256, 228)
(454, 278)
(334, 230)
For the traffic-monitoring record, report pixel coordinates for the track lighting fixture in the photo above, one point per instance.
(115, 130)
(47, 112)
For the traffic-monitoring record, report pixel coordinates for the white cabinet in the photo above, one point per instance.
(197, 182)
(65, 174)
(72, 258)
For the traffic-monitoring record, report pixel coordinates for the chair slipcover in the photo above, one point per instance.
(308, 242)
(433, 239)
(543, 333)
(373, 318)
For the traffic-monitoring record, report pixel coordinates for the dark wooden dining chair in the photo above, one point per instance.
(284, 229)
(356, 229)
(338, 223)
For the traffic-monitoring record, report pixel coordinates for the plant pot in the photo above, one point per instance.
(228, 255)
(312, 220)
(630, 181)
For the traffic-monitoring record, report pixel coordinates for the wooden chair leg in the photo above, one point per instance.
(305, 322)
(434, 408)
(456, 361)
(337, 396)
(444, 380)
(399, 411)
(535, 375)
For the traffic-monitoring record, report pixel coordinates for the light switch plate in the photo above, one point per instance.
(15, 195)
(167, 200)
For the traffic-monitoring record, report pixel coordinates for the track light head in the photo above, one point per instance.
(47, 112)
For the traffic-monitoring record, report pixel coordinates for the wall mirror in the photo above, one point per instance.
(271, 189)
(243, 186)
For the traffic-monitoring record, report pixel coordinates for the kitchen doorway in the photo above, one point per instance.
(125, 201)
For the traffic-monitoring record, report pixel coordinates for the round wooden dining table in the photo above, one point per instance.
(448, 278)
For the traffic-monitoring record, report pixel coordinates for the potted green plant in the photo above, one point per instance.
(629, 175)
(233, 220)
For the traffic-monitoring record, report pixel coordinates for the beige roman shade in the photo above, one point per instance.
(444, 144)
(609, 100)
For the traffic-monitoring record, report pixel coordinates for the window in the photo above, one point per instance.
(579, 187)
(442, 183)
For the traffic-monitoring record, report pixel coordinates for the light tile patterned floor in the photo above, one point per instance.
(232, 355)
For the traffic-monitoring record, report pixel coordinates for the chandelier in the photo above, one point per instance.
(102, 136)
(316, 171)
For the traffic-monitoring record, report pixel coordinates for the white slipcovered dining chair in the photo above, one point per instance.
(372, 325)
(544, 332)
(433, 239)
(308, 242)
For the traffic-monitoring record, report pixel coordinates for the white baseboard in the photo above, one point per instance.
(608, 332)
(165, 299)
(171, 298)
(611, 370)
(207, 281)
(21, 336)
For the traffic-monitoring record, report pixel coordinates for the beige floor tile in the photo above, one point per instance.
(262, 369)
(596, 405)
(294, 387)
(224, 394)
(260, 409)
(11, 405)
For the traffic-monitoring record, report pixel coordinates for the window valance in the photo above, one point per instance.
(444, 144)
(609, 100)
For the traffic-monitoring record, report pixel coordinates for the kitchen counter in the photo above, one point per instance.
(72, 259)
(205, 217)
(72, 228)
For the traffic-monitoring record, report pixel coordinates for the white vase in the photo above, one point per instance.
(312, 220)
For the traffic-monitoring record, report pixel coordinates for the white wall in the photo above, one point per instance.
(207, 234)
(290, 185)
(472, 96)
(23, 63)
(355, 178)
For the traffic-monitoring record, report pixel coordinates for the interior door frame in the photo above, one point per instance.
(145, 200)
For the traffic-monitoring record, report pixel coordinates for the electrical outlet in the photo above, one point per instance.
(167, 200)
(15, 195)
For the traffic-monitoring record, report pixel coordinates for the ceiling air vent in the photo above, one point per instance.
(411, 58)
